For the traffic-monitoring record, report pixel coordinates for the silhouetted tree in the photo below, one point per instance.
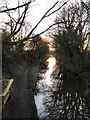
(17, 30)
(70, 34)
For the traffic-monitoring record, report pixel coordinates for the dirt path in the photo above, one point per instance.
(21, 103)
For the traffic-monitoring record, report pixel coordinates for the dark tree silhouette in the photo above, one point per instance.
(70, 34)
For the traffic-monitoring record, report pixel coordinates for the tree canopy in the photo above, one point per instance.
(71, 32)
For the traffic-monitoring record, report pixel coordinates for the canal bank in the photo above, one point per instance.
(21, 104)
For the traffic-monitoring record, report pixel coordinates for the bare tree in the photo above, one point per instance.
(15, 8)
(70, 34)
(17, 24)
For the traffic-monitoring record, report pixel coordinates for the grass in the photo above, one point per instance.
(7, 88)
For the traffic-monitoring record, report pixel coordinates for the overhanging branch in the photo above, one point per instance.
(57, 9)
(45, 15)
(20, 6)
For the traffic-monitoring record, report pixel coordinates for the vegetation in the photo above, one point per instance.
(23, 52)
(18, 33)
(71, 36)
(73, 76)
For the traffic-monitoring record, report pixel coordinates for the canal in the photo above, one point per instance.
(60, 97)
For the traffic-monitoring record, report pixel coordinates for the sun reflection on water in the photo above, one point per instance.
(51, 62)
(44, 85)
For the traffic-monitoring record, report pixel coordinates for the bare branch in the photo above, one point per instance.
(25, 11)
(41, 19)
(22, 18)
(18, 22)
(50, 27)
(20, 6)
(57, 9)
(45, 15)
(85, 6)
(28, 38)
(10, 16)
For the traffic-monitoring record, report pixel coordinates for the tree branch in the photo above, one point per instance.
(20, 6)
(85, 6)
(10, 16)
(15, 32)
(57, 9)
(49, 28)
(41, 19)
(45, 15)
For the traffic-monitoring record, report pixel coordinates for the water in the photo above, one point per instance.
(60, 98)
(44, 86)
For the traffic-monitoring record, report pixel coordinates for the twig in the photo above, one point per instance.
(20, 6)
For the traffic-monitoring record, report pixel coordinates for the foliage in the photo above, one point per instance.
(70, 33)
(65, 100)
(6, 48)
(42, 48)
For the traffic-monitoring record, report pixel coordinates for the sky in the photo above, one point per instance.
(37, 10)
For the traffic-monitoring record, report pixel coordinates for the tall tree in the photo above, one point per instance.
(70, 33)
(17, 24)
(19, 29)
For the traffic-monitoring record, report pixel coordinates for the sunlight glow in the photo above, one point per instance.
(51, 62)
(51, 49)
(51, 66)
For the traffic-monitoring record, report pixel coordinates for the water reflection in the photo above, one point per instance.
(51, 67)
(67, 101)
(60, 98)
(44, 86)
